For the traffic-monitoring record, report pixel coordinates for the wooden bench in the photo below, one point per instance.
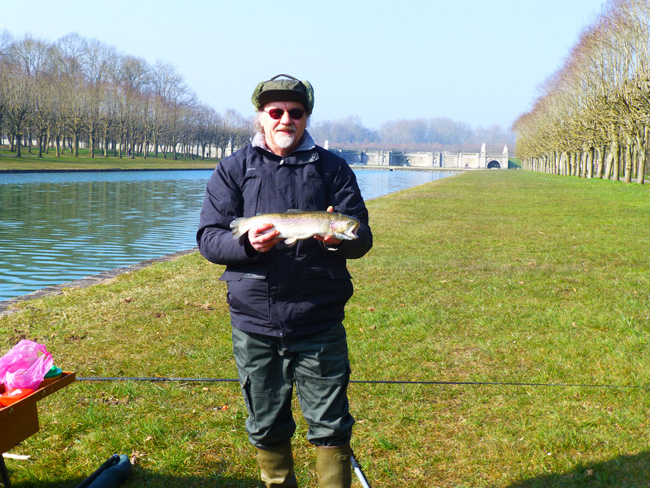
(19, 420)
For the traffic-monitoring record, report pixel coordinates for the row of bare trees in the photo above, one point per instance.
(435, 134)
(593, 115)
(81, 92)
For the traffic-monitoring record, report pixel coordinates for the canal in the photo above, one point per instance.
(62, 226)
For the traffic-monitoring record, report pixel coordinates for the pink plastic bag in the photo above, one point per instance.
(25, 366)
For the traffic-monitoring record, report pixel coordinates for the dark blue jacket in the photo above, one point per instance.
(288, 291)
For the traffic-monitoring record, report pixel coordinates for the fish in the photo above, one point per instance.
(295, 225)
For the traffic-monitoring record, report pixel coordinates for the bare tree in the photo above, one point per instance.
(6, 40)
(98, 63)
(77, 91)
(599, 100)
(68, 54)
(26, 61)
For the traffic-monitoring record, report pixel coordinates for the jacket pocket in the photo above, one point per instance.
(248, 294)
(251, 192)
(326, 274)
(317, 192)
(325, 293)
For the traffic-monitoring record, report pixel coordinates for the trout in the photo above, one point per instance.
(295, 225)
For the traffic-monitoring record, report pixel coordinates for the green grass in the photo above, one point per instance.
(31, 161)
(488, 281)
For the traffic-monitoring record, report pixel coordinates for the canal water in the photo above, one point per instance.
(64, 226)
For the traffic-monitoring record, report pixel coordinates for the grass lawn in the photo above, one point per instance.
(31, 161)
(523, 297)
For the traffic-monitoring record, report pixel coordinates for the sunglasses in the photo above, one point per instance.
(294, 113)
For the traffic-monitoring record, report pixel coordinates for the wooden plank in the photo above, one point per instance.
(44, 391)
(19, 424)
(19, 420)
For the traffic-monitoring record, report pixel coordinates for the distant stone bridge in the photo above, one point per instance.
(445, 159)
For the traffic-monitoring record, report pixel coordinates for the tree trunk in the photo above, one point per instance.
(616, 165)
(643, 156)
(12, 140)
(610, 156)
(627, 160)
(575, 162)
(18, 155)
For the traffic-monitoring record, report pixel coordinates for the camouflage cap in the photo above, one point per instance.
(289, 89)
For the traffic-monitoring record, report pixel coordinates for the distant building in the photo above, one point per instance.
(445, 159)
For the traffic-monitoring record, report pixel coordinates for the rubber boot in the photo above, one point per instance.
(334, 466)
(276, 464)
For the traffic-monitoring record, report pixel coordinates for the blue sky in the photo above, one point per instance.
(474, 61)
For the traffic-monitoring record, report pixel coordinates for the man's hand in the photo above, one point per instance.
(262, 238)
(329, 240)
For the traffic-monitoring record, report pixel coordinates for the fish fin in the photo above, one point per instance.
(290, 242)
(236, 227)
(293, 210)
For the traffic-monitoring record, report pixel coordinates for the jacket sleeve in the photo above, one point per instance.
(345, 196)
(222, 203)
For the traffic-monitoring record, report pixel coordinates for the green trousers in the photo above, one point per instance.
(317, 365)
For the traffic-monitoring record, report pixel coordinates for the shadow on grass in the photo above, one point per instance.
(149, 480)
(141, 477)
(620, 472)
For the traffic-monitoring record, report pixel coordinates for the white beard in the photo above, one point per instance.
(285, 140)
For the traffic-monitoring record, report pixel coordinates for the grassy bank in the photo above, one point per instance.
(519, 294)
(31, 162)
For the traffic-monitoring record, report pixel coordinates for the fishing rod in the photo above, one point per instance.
(359, 472)
(370, 382)
(355, 465)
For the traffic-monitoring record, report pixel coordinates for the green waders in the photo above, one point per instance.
(332, 463)
(334, 466)
(276, 465)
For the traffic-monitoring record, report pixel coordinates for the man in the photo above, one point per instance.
(287, 302)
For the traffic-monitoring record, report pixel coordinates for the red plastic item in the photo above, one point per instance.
(12, 396)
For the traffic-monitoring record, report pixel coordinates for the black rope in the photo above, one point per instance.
(156, 378)
(371, 382)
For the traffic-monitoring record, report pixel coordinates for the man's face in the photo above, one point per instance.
(283, 135)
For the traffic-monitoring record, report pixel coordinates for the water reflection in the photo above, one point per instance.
(58, 227)
(376, 183)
